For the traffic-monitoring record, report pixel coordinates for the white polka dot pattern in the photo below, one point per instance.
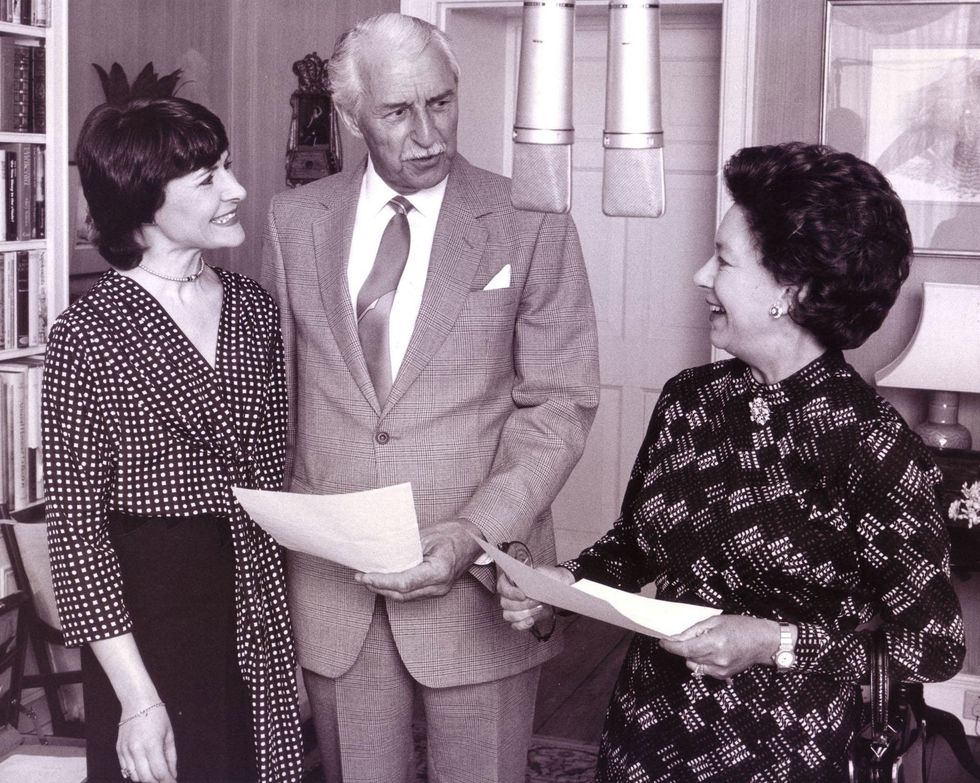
(135, 420)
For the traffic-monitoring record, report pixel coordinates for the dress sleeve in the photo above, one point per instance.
(78, 466)
(270, 440)
(616, 559)
(903, 550)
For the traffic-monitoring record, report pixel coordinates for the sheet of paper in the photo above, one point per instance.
(627, 610)
(375, 531)
(23, 767)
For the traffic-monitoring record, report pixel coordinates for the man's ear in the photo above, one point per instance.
(351, 122)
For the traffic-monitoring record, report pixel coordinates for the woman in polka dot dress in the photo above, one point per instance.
(163, 388)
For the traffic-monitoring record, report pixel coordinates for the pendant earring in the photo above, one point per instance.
(775, 312)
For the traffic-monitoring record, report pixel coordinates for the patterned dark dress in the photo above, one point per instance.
(137, 425)
(808, 501)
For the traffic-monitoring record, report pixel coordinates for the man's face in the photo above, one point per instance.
(407, 117)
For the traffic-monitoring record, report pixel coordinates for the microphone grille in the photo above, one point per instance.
(542, 178)
(633, 182)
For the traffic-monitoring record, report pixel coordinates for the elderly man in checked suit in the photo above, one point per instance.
(483, 397)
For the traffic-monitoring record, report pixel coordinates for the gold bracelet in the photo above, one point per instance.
(141, 713)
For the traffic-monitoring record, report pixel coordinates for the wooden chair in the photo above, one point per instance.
(58, 668)
(13, 648)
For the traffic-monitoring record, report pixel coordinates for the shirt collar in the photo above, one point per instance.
(376, 193)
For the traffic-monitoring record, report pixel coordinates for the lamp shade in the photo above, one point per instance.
(943, 356)
(944, 352)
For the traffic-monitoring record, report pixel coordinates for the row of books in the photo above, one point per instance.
(22, 85)
(21, 480)
(33, 12)
(23, 307)
(22, 189)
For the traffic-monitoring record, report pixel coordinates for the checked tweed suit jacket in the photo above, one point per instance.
(487, 416)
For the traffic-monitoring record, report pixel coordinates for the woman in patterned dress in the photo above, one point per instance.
(163, 388)
(780, 488)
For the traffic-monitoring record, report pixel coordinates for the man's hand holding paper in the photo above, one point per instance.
(448, 550)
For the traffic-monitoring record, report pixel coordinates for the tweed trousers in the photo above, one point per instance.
(474, 733)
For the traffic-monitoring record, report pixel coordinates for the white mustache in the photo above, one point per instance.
(419, 152)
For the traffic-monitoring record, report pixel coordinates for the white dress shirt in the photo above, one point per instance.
(373, 214)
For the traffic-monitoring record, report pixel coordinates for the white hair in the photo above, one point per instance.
(400, 34)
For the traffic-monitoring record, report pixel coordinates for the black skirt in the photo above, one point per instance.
(179, 587)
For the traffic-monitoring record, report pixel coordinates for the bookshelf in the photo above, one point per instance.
(34, 241)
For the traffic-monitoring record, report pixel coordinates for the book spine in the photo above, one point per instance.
(39, 216)
(34, 260)
(35, 377)
(22, 306)
(11, 195)
(25, 193)
(4, 455)
(6, 83)
(38, 88)
(42, 298)
(42, 13)
(22, 88)
(4, 304)
(17, 421)
(9, 298)
(3, 191)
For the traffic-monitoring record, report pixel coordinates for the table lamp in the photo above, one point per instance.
(943, 357)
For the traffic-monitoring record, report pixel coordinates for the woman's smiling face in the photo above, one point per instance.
(200, 211)
(740, 292)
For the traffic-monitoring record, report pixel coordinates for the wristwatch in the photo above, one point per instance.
(785, 656)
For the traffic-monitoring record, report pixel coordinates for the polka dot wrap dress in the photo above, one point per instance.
(136, 421)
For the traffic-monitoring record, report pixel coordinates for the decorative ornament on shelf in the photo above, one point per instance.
(147, 83)
(942, 358)
(967, 508)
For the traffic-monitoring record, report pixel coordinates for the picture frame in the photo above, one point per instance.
(901, 89)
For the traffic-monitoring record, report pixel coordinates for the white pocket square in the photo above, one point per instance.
(500, 280)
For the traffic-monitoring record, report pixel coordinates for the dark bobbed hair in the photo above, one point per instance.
(126, 155)
(829, 224)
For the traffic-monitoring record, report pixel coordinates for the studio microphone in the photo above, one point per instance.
(543, 133)
(633, 139)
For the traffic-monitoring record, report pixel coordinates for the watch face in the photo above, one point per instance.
(785, 659)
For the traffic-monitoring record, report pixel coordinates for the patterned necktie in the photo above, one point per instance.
(378, 292)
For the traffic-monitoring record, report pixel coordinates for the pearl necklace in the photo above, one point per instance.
(183, 279)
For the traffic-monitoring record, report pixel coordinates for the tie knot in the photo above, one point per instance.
(401, 205)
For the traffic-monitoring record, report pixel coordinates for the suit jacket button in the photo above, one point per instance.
(382, 437)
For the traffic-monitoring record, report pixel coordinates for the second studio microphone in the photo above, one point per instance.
(633, 139)
(543, 132)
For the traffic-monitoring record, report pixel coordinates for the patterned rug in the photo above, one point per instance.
(549, 760)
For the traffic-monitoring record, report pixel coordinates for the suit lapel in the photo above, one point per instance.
(457, 248)
(331, 243)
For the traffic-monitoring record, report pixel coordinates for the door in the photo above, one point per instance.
(652, 321)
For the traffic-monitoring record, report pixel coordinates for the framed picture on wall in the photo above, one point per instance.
(901, 89)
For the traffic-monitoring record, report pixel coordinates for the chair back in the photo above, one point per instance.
(13, 648)
(59, 667)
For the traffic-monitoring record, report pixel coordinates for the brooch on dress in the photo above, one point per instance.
(759, 410)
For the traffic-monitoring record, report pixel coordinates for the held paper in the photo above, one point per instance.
(375, 531)
(627, 610)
